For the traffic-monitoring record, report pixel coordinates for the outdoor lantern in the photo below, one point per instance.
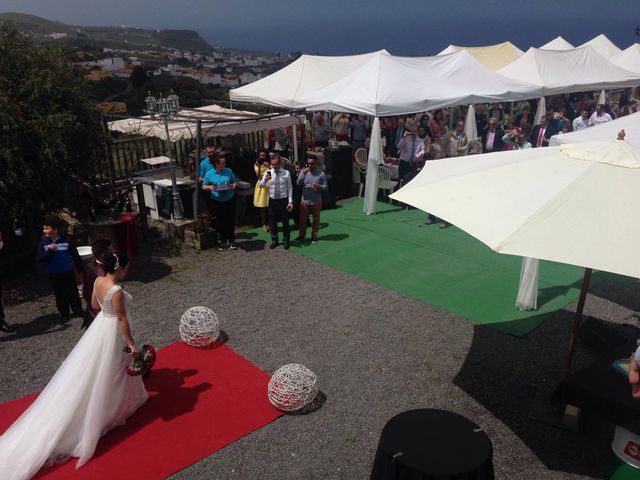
(174, 102)
(150, 102)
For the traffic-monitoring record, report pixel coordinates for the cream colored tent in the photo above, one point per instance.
(557, 43)
(492, 56)
(629, 59)
(603, 46)
(567, 71)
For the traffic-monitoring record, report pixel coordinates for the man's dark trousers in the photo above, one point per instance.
(278, 212)
(66, 293)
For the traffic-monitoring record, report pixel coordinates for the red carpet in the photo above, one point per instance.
(200, 401)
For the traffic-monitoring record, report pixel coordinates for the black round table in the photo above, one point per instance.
(430, 444)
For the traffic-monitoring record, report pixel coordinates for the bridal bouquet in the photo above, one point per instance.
(143, 362)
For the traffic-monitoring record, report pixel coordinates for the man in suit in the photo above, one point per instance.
(492, 136)
(92, 271)
(542, 133)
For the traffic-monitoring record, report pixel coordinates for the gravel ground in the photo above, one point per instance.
(376, 353)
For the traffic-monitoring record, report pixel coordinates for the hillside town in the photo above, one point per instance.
(220, 69)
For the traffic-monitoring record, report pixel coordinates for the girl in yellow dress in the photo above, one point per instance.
(261, 195)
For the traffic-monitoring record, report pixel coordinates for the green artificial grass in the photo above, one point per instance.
(443, 267)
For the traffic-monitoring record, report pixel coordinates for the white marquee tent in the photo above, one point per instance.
(305, 75)
(605, 131)
(567, 71)
(629, 59)
(557, 43)
(602, 45)
(491, 56)
(388, 85)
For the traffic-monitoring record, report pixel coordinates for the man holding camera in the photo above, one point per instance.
(280, 199)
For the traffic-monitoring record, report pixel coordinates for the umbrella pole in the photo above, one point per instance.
(576, 322)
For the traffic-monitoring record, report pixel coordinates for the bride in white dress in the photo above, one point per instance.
(90, 393)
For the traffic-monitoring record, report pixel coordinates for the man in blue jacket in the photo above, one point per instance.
(59, 256)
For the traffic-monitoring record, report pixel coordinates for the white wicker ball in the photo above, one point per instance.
(199, 327)
(292, 387)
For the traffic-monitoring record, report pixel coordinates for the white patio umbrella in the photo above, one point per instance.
(470, 125)
(543, 202)
(541, 111)
(376, 158)
(602, 99)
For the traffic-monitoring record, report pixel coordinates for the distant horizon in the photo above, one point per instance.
(414, 27)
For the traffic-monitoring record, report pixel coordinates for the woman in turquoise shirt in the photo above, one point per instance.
(220, 182)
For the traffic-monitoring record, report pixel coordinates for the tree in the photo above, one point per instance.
(48, 130)
(138, 77)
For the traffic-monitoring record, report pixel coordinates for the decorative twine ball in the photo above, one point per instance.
(199, 327)
(292, 387)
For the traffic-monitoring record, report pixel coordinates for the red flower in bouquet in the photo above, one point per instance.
(143, 363)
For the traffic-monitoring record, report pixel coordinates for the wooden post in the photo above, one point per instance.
(576, 322)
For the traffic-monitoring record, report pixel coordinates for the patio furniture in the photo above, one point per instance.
(433, 444)
(384, 180)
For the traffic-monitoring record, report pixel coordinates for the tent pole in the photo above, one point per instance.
(295, 144)
(576, 322)
(197, 168)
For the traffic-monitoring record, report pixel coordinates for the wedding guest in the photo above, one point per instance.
(359, 127)
(221, 183)
(542, 133)
(4, 327)
(517, 139)
(322, 130)
(524, 116)
(581, 121)
(261, 195)
(455, 143)
(59, 256)
(314, 182)
(410, 149)
(492, 136)
(599, 116)
(277, 182)
(206, 163)
(436, 124)
(297, 193)
(92, 271)
(341, 127)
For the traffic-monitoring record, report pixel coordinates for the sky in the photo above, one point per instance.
(342, 27)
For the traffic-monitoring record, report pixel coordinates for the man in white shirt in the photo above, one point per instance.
(280, 199)
(410, 149)
(599, 116)
(581, 122)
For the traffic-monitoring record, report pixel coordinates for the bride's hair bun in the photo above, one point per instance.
(114, 261)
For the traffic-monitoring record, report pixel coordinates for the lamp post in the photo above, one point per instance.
(165, 108)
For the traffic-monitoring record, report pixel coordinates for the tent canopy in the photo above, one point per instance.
(629, 59)
(567, 71)
(604, 131)
(491, 56)
(307, 74)
(602, 45)
(216, 121)
(388, 85)
(557, 43)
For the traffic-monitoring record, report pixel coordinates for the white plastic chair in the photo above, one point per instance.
(358, 177)
(361, 158)
(384, 180)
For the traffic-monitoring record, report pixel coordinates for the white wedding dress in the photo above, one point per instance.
(89, 394)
